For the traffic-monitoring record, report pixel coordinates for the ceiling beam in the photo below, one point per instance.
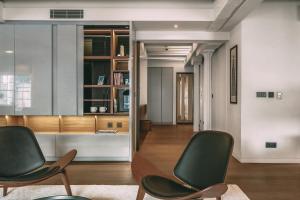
(191, 36)
(241, 13)
(224, 10)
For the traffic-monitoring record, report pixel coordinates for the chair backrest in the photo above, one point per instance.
(205, 160)
(20, 152)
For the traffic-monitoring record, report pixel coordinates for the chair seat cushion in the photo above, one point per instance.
(165, 188)
(37, 174)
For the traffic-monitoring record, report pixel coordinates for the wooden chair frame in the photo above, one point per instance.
(142, 167)
(61, 164)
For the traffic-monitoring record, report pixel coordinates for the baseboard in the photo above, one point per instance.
(270, 160)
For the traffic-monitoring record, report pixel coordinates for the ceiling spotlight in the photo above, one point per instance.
(9, 51)
(175, 25)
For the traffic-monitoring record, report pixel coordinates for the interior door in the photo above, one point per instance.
(154, 96)
(184, 97)
(167, 95)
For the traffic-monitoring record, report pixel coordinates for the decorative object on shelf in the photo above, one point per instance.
(115, 105)
(233, 74)
(102, 109)
(126, 81)
(122, 50)
(118, 79)
(126, 100)
(93, 109)
(101, 80)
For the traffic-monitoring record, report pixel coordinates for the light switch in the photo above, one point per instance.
(279, 95)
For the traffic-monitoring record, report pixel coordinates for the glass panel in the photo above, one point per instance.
(97, 73)
(122, 45)
(121, 100)
(97, 45)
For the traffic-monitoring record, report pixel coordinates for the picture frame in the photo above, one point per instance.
(234, 75)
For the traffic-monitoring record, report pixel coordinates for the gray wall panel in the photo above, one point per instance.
(167, 95)
(65, 70)
(33, 69)
(6, 69)
(154, 97)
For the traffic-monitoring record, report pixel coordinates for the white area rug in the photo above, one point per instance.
(97, 192)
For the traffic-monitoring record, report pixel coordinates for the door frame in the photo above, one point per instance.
(181, 122)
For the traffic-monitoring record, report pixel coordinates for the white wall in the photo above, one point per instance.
(271, 62)
(269, 43)
(178, 66)
(226, 116)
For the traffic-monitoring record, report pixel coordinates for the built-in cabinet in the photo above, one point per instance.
(33, 69)
(7, 69)
(160, 94)
(46, 72)
(65, 70)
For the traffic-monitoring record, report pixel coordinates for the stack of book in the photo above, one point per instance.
(118, 79)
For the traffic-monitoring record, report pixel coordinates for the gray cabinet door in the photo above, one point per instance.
(154, 96)
(33, 69)
(167, 95)
(6, 69)
(64, 70)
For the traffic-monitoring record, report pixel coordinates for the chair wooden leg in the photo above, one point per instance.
(141, 193)
(65, 180)
(4, 191)
(219, 198)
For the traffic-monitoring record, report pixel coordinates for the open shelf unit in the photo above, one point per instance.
(106, 72)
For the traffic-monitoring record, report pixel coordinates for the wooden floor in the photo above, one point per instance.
(164, 144)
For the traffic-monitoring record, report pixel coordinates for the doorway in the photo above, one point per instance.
(184, 98)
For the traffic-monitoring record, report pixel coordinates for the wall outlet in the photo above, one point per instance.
(119, 125)
(272, 145)
(109, 124)
(271, 94)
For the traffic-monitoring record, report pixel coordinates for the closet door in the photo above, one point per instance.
(154, 94)
(33, 69)
(6, 69)
(167, 95)
(65, 70)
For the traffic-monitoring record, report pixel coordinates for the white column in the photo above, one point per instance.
(207, 95)
(196, 120)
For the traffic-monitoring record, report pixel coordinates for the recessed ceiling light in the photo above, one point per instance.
(175, 25)
(9, 51)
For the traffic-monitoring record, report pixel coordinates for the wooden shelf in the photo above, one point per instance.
(121, 86)
(97, 57)
(125, 58)
(97, 86)
(97, 113)
(121, 71)
(98, 31)
(121, 113)
(121, 31)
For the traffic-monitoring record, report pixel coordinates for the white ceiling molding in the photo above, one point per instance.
(240, 14)
(224, 10)
(201, 48)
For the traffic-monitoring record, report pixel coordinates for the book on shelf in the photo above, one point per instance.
(118, 79)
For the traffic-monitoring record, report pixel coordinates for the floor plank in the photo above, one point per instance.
(163, 146)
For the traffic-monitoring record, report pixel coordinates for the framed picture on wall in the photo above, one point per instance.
(233, 74)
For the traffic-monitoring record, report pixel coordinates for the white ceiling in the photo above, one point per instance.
(169, 25)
